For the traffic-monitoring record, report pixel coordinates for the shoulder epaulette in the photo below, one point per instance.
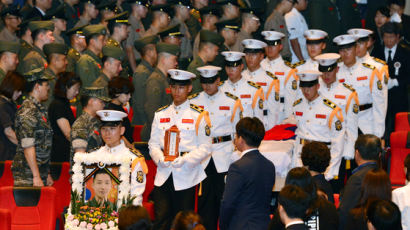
(192, 96)
(136, 152)
(299, 63)
(368, 66)
(379, 60)
(349, 87)
(162, 108)
(195, 13)
(196, 108)
(251, 83)
(271, 75)
(231, 96)
(298, 101)
(329, 103)
(221, 83)
(289, 64)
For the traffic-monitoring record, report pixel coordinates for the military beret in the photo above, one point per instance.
(107, 5)
(97, 92)
(142, 42)
(41, 25)
(55, 48)
(91, 30)
(172, 30)
(35, 75)
(168, 48)
(119, 18)
(7, 46)
(76, 30)
(11, 10)
(113, 51)
(228, 24)
(58, 12)
(212, 37)
(166, 8)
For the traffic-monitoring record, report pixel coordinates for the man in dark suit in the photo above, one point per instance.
(367, 151)
(249, 183)
(397, 58)
(293, 203)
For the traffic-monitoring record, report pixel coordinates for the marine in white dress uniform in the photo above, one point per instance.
(175, 180)
(371, 91)
(315, 44)
(254, 54)
(224, 112)
(283, 70)
(318, 119)
(111, 132)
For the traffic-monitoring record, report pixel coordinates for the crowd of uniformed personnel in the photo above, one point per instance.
(236, 59)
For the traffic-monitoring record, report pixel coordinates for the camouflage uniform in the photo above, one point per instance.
(25, 49)
(33, 60)
(85, 133)
(102, 81)
(32, 129)
(72, 57)
(52, 82)
(2, 75)
(124, 63)
(88, 68)
(196, 85)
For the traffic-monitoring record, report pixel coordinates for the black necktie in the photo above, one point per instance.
(389, 59)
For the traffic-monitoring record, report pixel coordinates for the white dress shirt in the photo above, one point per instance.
(297, 25)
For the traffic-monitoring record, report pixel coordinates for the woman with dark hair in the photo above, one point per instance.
(61, 116)
(10, 90)
(321, 214)
(120, 90)
(134, 218)
(382, 16)
(187, 220)
(376, 185)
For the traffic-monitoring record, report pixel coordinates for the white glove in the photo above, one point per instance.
(178, 162)
(163, 163)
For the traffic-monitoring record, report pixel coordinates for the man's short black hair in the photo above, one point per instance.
(294, 201)
(251, 130)
(316, 156)
(391, 28)
(400, 3)
(369, 146)
(30, 84)
(35, 34)
(384, 215)
(84, 100)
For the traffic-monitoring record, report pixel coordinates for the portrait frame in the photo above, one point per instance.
(84, 161)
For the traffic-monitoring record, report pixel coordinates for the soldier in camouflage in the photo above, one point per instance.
(34, 134)
(78, 45)
(85, 132)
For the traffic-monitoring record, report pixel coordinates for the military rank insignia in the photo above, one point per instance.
(385, 79)
(276, 96)
(294, 84)
(140, 177)
(240, 115)
(379, 85)
(338, 125)
(207, 130)
(355, 108)
(260, 102)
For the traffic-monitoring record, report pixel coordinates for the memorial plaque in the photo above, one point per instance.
(171, 143)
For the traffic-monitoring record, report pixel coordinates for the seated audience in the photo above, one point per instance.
(401, 196)
(134, 218)
(383, 215)
(187, 220)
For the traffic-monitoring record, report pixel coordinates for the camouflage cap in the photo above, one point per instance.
(55, 48)
(76, 30)
(41, 25)
(35, 75)
(168, 48)
(171, 31)
(58, 12)
(91, 30)
(11, 10)
(113, 51)
(97, 92)
(119, 18)
(6, 46)
(212, 37)
(142, 42)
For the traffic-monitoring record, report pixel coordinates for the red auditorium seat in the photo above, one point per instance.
(6, 176)
(5, 219)
(402, 122)
(31, 208)
(137, 133)
(61, 177)
(149, 186)
(400, 147)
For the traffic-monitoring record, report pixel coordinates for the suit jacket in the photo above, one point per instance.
(350, 196)
(297, 227)
(248, 190)
(397, 99)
